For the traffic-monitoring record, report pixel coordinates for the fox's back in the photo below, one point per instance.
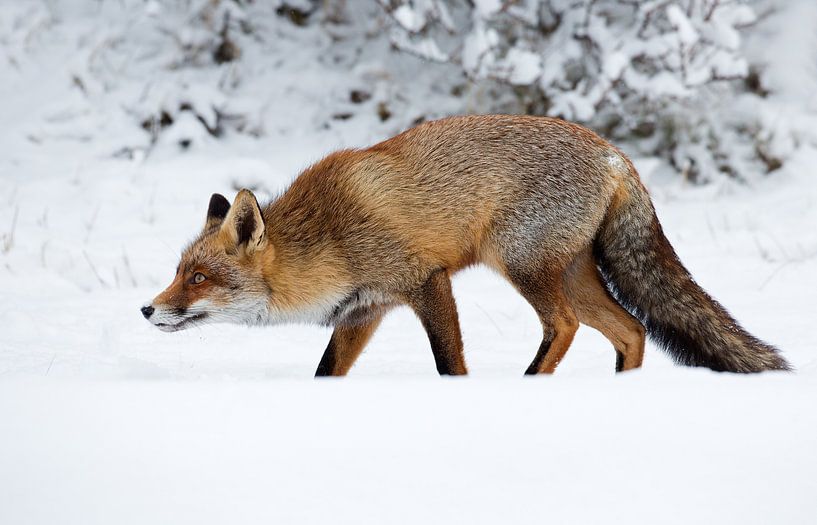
(452, 189)
(512, 176)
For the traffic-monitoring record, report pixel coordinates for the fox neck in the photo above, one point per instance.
(305, 283)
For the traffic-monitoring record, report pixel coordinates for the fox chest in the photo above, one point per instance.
(360, 306)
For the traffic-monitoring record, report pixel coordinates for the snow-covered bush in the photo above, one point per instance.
(654, 72)
(184, 41)
(661, 78)
(147, 78)
(176, 68)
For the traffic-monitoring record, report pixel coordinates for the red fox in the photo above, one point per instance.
(548, 204)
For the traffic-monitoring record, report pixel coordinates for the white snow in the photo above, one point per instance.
(687, 34)
(409, 18)
(487, 7)
(477, 47)
(104, 419)
(525, 66)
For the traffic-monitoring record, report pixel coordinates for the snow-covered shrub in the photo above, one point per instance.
(182, 39)
(176, 67)
(654, 72)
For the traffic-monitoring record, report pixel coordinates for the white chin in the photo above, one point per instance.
(181, 325)
(169, 328)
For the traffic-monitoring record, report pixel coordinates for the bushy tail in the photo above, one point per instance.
(646, 276)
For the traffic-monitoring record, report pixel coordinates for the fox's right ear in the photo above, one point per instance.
(216, 211)
(244, 227)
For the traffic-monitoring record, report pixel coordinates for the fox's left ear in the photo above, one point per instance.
(216, 211)
(244, 225)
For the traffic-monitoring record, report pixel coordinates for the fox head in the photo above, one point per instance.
(220, 275)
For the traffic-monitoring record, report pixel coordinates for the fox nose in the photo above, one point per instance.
(147, 311)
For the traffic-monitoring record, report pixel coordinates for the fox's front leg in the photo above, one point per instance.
(434, 304)
(347, 342)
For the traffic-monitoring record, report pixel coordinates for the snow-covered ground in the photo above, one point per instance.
(104, 419)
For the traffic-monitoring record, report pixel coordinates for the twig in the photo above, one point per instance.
(8, 239)
(773, 274)
(498, 329)
(89, 224)
(126, 260)
(42, 252)
(53, 357)
(93, 269)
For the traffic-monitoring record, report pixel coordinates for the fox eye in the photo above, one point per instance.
(198, 278)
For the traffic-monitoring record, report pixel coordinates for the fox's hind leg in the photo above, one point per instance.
(346, 344)
(543, 289)
(595, 307)
(433, 302)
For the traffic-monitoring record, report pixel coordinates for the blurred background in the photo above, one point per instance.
(713, 88)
